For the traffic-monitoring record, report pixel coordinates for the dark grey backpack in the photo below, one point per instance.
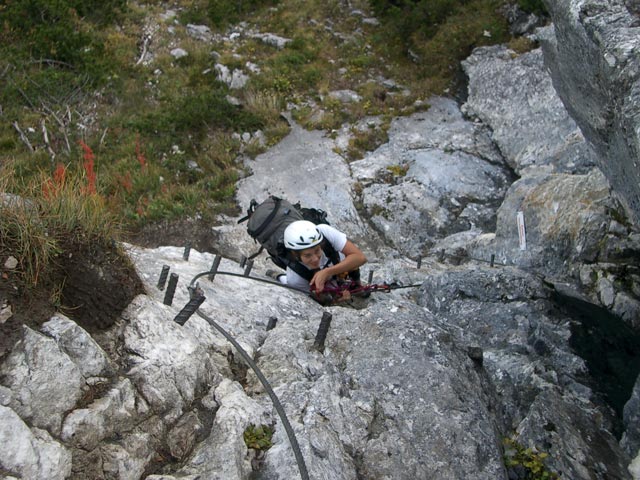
(268, 220)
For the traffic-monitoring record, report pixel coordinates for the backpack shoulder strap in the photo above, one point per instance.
(331, 253)
(301, 270)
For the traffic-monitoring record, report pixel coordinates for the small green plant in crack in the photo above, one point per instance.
(527, 463)
(366, 140)
(398, 170)
(379, 211)
(522, 45)
(258, 437)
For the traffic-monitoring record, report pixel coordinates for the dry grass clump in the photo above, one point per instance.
(59, 210)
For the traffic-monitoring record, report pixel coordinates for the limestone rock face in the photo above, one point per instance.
(592, 52)
(566, 221)
(31, 452)
(439, 174)
(514, 96)
(507, 313)
(44, 381)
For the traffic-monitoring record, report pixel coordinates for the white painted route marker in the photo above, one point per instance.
(522, 234)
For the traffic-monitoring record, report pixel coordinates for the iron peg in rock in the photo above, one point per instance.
(163, 277)
(187, 251)
(441, 256)
(214, 267)
(248, 267)
(189, 309)
(493, 259)
(370, 280)
(243, 261)
(476, 354)
(323, 329)
(419, 263)
(272, 323)
(171, 289)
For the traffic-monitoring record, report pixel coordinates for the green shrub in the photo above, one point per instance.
(408, 16)
(440, 32)
(366, 140)
(527, 459)
(225, 12)
(472, 25)
(194, 113)
(59, 33)
(258, 438)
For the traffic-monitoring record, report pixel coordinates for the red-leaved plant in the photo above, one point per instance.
(125, 181)
(52, 186)
(88, 168)
(139, 155)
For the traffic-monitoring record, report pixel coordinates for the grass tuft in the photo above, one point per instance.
(59, 210)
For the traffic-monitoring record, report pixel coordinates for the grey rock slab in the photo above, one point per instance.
(442, 193)
(224, 454)
(513, 95)
(458, 175)
(119, 410)
(627, 307)
(45, 383)
(389, 396)
(240, 305)
(506, 312)
(345, 96)
(586, 436)
(167, 363)
(235, 79)
(453, 180)
(631, 439)
(303, 167)
(199, 32)
(441, 127)
(79, 346)
(30, 453)
(272, 39)
(406, 215)
(591, 50)
(127, 459)
(566, 217)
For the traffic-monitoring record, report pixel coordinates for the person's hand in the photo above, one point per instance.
(319, 279)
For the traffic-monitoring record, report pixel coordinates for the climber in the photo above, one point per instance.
(319, 255)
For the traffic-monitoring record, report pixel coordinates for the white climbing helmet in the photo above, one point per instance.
(302, 234)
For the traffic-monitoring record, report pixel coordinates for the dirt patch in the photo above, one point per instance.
(99, 283)
(176, 233)
(91, 284)
(31, 308)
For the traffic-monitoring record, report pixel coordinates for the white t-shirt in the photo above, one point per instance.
(336, 238)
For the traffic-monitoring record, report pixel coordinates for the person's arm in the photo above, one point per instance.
(354, 258)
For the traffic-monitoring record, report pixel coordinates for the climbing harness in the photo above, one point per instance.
(339, 289)
(356, 289)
